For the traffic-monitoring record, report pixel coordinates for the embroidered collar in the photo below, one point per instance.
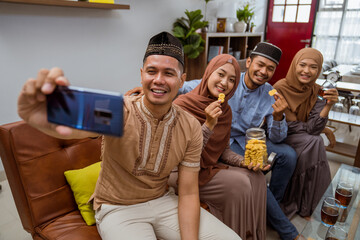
(170, 113)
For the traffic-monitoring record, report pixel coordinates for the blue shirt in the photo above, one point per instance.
(249, 107)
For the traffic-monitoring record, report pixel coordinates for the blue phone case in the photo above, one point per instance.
(86, 109)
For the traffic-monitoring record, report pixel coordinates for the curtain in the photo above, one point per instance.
(337, 31)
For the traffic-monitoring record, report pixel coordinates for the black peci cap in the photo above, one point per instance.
(268, 50)
(165, 44)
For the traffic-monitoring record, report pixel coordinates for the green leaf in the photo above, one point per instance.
(196, 19)
(193, 14)
(194, 54)
(188, 49)
(179, 23)
(245, 14)
(179, 32)
(200, 49)
(184, 29)
(195, 40)
(199, 25)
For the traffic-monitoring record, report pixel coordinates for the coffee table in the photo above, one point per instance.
(348, 219)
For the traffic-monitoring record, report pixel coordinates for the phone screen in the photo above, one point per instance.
(86, 109)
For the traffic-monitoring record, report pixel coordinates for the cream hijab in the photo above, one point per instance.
(300, 97)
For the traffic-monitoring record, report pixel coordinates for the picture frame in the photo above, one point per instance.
(221, 23)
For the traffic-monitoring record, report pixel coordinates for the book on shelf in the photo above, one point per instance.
(214, 51)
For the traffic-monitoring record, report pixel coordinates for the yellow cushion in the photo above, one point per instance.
(82, 183)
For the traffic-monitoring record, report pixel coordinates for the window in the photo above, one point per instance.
(337, 31)
(291, 11)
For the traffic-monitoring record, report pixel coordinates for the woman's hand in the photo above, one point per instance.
(279, 106)
(213, 111)
(256, 168)
(331, 96)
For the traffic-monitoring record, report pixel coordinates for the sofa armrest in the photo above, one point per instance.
(34, 164)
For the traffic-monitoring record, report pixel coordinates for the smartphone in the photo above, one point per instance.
(86, 109)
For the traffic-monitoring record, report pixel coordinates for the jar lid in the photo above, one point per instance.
(255, 132)
(255, 129)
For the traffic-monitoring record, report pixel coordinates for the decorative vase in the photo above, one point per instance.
(240, 27)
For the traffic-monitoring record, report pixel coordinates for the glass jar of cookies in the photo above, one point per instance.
(255, 148)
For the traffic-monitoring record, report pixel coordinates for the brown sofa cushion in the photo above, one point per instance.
(70, 226)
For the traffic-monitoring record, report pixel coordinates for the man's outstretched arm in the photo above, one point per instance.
(32, 104)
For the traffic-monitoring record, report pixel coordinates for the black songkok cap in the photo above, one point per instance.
(165, 44)
(268, 50)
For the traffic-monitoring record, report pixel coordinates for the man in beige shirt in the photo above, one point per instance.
(130, 199)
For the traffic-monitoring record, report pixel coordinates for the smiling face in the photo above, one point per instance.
(222, 80)
(306, 70)
(260, 70)
(161, 78)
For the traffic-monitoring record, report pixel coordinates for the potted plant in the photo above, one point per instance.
(252, 26)
(244, 17)
(185, 29)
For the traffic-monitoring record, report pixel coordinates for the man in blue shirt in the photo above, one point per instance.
(252, 106)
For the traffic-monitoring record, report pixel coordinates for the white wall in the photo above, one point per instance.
(224, 7)
(96, 48)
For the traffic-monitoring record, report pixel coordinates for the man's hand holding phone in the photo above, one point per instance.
(86, 109)
(32, 101)
(32, 106)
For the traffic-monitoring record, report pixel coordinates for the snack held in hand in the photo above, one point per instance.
(255, 152)
(221, 97)
(272, 92)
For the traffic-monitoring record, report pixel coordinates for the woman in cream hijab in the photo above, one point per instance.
(306, 116)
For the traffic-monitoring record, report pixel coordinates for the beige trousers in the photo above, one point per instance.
(155, 219)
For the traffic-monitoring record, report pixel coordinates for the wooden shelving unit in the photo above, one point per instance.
(243, 42)
(65, 3)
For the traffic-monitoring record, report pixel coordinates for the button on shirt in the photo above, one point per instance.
(249, 107)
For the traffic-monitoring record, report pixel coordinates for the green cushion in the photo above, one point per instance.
(82, 183)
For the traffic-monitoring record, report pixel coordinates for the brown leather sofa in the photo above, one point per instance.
(35, 164)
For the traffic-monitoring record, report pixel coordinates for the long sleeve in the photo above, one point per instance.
(228, 156)
(231, 158)
(249, 108)
(277, 130)
(206, 134)
(188, 86)
(315, 123)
